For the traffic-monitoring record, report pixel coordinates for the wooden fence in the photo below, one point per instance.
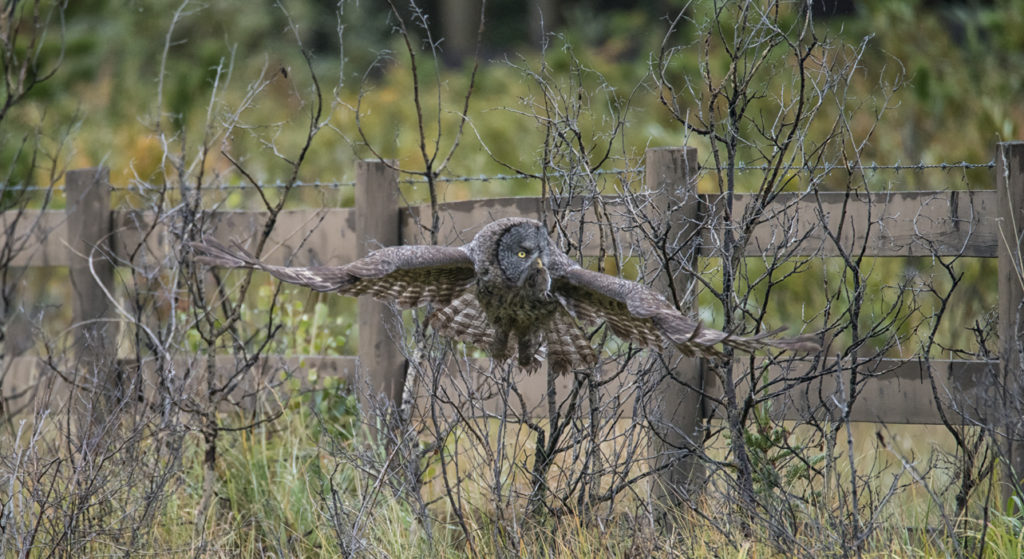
(973, 223)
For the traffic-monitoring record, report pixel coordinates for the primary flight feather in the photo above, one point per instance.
(512, 292)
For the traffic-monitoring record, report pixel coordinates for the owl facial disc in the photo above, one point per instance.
(521, 253)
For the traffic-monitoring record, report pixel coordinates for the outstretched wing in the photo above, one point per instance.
(639, 315)
(410, 276)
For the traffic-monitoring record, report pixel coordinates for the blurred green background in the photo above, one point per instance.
(963, 64)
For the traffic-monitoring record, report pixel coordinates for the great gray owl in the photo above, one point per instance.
(511, 290)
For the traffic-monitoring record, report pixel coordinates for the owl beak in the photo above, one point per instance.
(540, 264)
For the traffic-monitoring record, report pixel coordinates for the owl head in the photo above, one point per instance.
(523, 255)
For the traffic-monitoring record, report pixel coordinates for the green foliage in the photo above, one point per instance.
(778, 462)
(326, 329)
(1003, 534)
(332, 404)
(960, 99)
(307, 333)
(963, 96)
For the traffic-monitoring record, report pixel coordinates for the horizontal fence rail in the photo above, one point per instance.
(970, 223)
(921, 223)
(899, 393)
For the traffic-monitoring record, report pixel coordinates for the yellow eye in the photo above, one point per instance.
(521, 254)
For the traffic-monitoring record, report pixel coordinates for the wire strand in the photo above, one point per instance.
(740, 167)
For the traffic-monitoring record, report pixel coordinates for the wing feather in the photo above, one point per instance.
(639, 315)
(463, 319)
(409, 276)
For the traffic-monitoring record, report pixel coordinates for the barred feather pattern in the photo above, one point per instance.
(463, 319)
(644, 317)
(592, 309)
(510, 289)
(409, 276)
(412, 288)
(568, 347)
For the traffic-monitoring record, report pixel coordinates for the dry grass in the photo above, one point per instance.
(274, 484)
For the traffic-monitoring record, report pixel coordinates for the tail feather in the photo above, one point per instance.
(763, 341)
(692, 337)
(463, 319)
(568, 347)
(807, 343)
(213, 253)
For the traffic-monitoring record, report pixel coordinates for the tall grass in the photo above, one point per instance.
(274, 499)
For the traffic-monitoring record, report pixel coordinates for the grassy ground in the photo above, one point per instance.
(290, 488)
(276, 485)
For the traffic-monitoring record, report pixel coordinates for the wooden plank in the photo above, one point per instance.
(377, 225)
(671, 180)
(133, 227)
(892, 391)
(916, 223)
(460, 221)
(923, 223)
(904, 224)
(329, 234)
(305, 237)
(897, 392)
(900, 393)
(37, 237)
(29, 379)
(1010, 186)
(459, 380)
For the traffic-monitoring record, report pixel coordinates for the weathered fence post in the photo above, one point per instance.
(671, 178)
(90, 270)
(1010, 187)
(377, 225)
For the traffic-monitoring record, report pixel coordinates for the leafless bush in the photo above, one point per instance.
(478, 445)
(495, 456)
(73, 490)
(483, 431)
(30, 55)
(777, 119)
(202, 391)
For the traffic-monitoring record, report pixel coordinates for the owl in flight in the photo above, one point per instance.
(511, 291)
